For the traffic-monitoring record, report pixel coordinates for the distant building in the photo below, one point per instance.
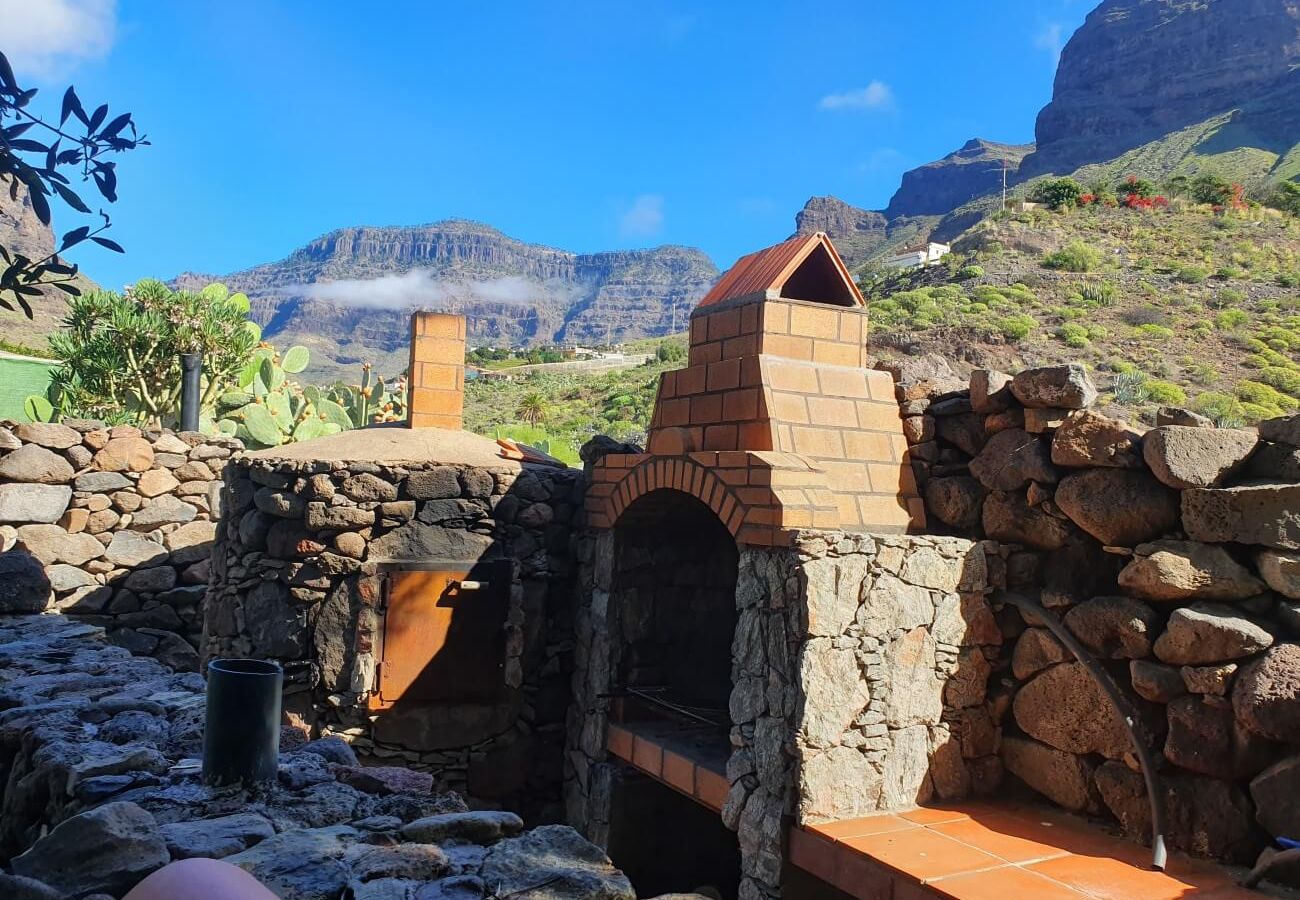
(916, 255)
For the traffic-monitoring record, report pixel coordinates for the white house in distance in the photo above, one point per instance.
(926, 253)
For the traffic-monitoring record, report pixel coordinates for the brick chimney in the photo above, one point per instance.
(775, 423)
(436, 377)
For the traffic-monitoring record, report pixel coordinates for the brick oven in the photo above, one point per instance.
(416, 584)
(761, 639)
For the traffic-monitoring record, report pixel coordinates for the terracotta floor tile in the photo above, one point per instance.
(923, 854)
(1114, 879)
(1010, 883)
(679, 772)
(928, 815)
(619, 741)
(813, 854)
(711, 788)
(862, 877)
(1014, 840)
(847, 828)
(647, 755)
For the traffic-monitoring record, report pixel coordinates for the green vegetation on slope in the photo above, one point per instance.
(559, 412)
(1177, 305)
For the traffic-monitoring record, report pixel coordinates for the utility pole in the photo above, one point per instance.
(1004, 184)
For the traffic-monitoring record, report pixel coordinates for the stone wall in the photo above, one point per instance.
(298, 576)
(859, 670)
(98, 789)
(1171, 554)
(120, 520)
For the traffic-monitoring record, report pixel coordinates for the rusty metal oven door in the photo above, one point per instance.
(443, 634)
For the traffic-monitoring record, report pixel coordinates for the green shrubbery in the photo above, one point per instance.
(1075, 256)
(1058, 193)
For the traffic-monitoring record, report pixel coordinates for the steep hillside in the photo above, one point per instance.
(1140, 69)
(347, 294)
(1186, 305)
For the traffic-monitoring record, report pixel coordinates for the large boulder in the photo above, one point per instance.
(51, 435)
(485, 827)
(1275, 791)
(124, 454)
(1204, 816)
(34, 463)
(1113, 627)
(1065, 708)
(1181, 570)
(570, 867)
(130, 549)
(1207, 633)
(1063, 778)
(1273, 462)
(1203, 738)
(1066, 387)
(1087, 439)
(107, 849)
(51, 544)
(300, 865)
(1011, 459)
(1280, 570)
(1284, 430)
(1266, 694)
(216, 838)
(34, 502)
(24, 586)
(1119, 507)
(990, 391)
(955, 501)
(1008, 518)
(1266, 514)
(1184, 457)
(1035, 650)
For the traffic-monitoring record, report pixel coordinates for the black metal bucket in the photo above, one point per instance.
(241, 738)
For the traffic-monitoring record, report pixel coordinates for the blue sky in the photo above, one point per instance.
(583, 125)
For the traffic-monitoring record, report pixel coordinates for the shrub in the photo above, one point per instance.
(1211, 188)
(1075, 256)
(1073, 335)
(1153, 332)
(1057, 192)
(1016, 328)
(671, 351)
(1230, 319)
(1098, 293)
(1145, 315)
(1132, 185)
(1190, 274)
(1284, 379)
(966, 272)
(1228, 297)
(1223, 409)
(1165, 392)
(1265, 396)
(1286, 197)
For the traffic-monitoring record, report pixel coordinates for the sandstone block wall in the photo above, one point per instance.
(298, 576)
(1169, 552)
(121, 521)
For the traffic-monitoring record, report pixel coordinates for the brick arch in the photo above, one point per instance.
(763, 498)
(686, 476)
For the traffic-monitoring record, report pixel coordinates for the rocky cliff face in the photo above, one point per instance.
(856, 232)
(347, 294)
(1140, 69)
(941, 186)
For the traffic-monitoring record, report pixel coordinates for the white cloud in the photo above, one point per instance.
(421, 288)
(883, 159)
(46, 39)
(1051, 37)
(876, 95)
(644, 218)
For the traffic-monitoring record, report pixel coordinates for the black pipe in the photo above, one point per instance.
(241, 738)
(191, 373)
(1127, 712)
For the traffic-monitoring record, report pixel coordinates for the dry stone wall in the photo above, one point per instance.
(860, 666)
(113, 526)
(98, 752)
(1172, 553)
(298, 576)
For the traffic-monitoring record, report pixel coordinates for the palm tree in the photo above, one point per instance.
(532, 408)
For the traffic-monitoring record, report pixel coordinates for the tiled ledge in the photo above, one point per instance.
(704, 781)
(994, 852)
